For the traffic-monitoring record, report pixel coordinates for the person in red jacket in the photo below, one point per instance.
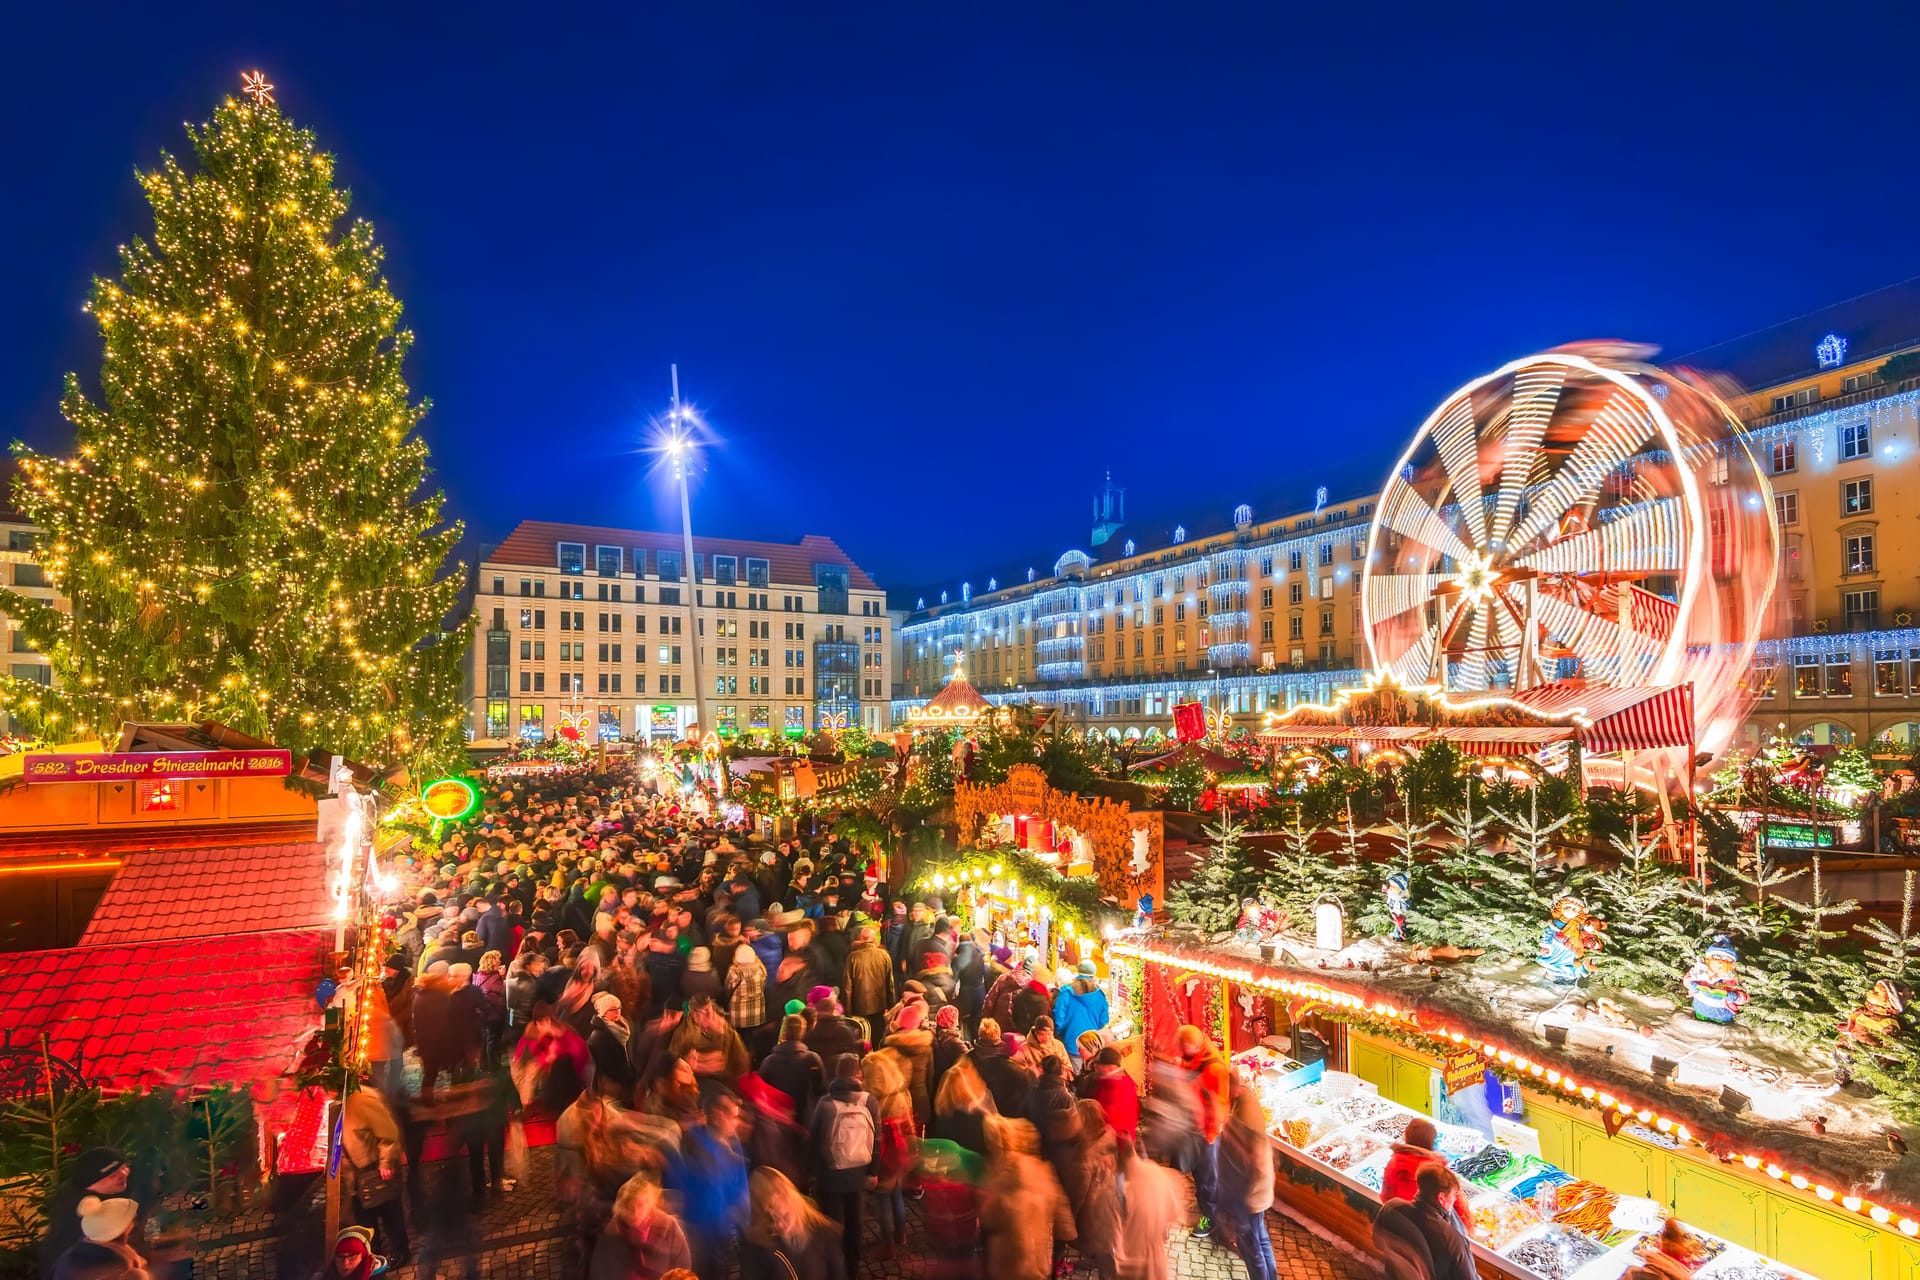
(1108, 1084)
(1209, 1069)
(1414, 1149)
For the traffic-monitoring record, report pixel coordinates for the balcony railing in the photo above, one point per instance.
(1847, 400)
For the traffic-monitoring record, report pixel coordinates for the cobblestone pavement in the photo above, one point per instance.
(517, 1237)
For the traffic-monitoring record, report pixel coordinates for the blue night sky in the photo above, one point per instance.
(932, 270)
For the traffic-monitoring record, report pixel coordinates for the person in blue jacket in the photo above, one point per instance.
(1081, 1006)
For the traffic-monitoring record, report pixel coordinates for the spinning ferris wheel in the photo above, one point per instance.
(1575, 516)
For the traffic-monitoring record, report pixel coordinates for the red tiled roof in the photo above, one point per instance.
(203, 892)
(196, 1012)
(535, 543)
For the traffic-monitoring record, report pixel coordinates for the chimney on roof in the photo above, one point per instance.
(1109, 512)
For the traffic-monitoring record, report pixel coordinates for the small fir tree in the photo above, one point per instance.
(1210, 897)
(1292, 880)
(243, 527)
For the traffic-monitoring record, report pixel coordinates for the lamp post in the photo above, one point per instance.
(679, 446)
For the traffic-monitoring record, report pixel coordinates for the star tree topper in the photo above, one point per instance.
(254, 85)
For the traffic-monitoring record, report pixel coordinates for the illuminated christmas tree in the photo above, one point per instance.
(243, 525)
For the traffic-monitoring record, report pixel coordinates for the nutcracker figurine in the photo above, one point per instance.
(1568, 941)
(1714, 983)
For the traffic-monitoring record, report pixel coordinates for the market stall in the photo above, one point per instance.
(1573, 1145)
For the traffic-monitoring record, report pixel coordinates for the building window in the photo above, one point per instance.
(673, 566)
(1296, 627)
(1856, 497)
(573, 557)
(1839, 675)
(1326, 622)
(759, 573)
(1859, 557)
(1786, 508)
(639, 562)
(1862, 609)
(1856, 440)
(1806, 676)
(1786, 456)
(1765, 676)
(606, 561)
(533, 720)
(1890, 672)
(726, 570)
(496, 719)
(1295, 591)
(1326, 553)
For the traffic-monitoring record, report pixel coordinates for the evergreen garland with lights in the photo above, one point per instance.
(243, 527)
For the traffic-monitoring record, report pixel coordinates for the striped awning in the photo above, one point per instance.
(1621, 719)
(1517, 741)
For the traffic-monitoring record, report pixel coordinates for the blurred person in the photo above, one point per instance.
(1089, 1173)
(372, 1152)
(1246, 1182)
(1005, 1079)
(793, 1068)
(949, 1046)
(643, 1240)
(844, 1138)
(913, 1041)
(1042, 1044)
(1080, 1007)
(1108, 1084)
(709, 1171)
(1414, 1149)
(869, 976)
(1153, 1206)
(787, 1237)
(747, 993)
(885, 1074)
(1023, 1211)
(1202, 1059)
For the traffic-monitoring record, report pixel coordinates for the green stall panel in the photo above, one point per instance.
(1621, 1164)
(1828, 1245)
(1730, 1207)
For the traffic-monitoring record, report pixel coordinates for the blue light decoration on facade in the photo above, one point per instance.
(1319, 499)
(1831, 352)
(1129, 546)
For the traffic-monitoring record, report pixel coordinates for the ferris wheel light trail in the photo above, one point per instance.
(1578, 516)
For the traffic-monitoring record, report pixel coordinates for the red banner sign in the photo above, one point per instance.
(1190, 722)
(147, 766)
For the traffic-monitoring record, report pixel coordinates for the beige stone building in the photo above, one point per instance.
(608, 629)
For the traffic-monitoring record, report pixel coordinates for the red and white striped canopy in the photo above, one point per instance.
(1621, 719)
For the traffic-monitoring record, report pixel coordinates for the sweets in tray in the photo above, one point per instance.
(1553, 1252)
(1498, 1218)
(1346, 1149)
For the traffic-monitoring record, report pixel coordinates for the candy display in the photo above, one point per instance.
(1370, 1173)
(1739, 1264)
(1344, 1150)
(1533, 1184)
(1498, 1218)
(1522, 1170)
(1359, 1106)
(1587, 1207)
(1455, 1143)
(1484, 1167)
(1553, 1253)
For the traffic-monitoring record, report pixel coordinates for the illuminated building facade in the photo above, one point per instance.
(1251, 615)
(597, 627)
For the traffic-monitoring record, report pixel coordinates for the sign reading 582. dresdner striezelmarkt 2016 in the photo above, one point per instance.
(123, 766)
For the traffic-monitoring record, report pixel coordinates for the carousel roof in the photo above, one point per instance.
(1211, 760)
(959, 702)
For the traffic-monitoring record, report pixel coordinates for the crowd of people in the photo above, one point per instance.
(746, 1049)
(751, 1049)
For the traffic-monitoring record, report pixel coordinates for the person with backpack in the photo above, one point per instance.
(845, 1141)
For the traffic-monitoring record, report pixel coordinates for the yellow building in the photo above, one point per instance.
(606, 629)
(1253, 614)
(21, 573)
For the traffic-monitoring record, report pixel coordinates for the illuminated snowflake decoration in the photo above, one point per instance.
(254, 85)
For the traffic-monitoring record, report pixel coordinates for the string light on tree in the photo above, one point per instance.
(244, 526)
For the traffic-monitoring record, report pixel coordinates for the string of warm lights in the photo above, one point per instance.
(1340, 1001)
(243, 526)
